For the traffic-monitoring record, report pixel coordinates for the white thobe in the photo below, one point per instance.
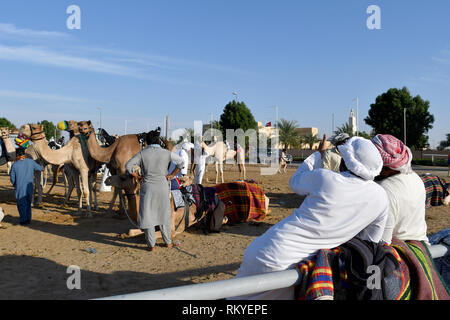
(337, 207)
(183, 154)
(406, 220)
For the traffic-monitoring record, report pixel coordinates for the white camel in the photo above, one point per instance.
(218, 150)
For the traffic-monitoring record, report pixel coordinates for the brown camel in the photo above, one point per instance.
(179, 223)
(116, 156)
(73, 153)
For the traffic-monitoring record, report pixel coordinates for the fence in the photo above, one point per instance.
(236, 287)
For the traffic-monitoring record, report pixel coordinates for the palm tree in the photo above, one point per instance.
(288, 136)
(310, 139)
(345, 128)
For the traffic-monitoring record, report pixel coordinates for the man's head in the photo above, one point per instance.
(395, 155)
(361, 158)
(153, 137)
(340, 139)
(20, 153)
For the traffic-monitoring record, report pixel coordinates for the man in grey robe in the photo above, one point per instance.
(154, 208)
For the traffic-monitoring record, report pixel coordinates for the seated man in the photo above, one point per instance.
(337, 207)
(405, 190)
(331, 158)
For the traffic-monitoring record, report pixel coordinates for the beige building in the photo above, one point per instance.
(308, 131)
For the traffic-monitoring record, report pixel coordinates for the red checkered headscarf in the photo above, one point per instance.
(394, 153)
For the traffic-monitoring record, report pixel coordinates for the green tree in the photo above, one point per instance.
(6, 123)
(310, 140)
(386, 116)
(345, 128)
(444, 143)
(288, 136)
(236, 115)
(50, 130)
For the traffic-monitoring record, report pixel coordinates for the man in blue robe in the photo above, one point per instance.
(22, 178)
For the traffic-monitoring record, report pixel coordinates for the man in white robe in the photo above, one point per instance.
(337, 207)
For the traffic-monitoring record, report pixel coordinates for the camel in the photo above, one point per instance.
(71, 174)
(116, 156)
(218, 150)
(9, 146)
(179, 223)
(73, 153)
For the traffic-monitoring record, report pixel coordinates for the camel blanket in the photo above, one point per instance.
(436, 190)
(243, 201)
(426, 282)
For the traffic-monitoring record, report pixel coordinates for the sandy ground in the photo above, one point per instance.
(34, 259)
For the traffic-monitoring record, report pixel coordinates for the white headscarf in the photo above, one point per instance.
(361, 157)
(187, 146)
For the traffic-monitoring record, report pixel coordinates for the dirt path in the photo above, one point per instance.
(34, 259)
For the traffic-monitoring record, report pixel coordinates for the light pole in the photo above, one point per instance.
(404, 126)
(100, 110)
(235, 94)
(357, 115)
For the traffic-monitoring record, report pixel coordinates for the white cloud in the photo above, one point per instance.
(11, 30)
(39, 96)
(41, 56)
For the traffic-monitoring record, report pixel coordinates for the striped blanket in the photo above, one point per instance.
(436, 190)
(317, 276)
(426, 282)
(243, 201)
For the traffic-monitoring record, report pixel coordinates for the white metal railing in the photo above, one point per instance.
(236, 287)
(435, 155)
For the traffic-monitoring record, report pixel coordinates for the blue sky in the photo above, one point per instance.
(140, 60)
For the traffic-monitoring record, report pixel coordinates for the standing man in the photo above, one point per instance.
(22, 178)
(154, 208)
(200, 156)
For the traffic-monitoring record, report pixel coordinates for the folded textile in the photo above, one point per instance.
(436, 190)
(177, 197)
(443, 263)
(426, 283)
(345, 272)
(243, 201)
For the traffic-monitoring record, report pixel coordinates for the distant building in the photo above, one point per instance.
(308, 131)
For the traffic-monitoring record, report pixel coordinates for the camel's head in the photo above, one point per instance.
(33, 131)
(187, 181)
(72, 126)
(123, 181)
(4, 133)
(85, 128)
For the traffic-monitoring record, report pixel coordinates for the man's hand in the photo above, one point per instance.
(169, 177)
(323, 146)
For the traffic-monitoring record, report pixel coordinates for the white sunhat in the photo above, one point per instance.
(361, 157)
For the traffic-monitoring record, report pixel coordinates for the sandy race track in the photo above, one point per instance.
(34, 259)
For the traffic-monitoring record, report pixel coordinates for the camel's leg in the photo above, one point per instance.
(217, 173)
(55, 170)
(221, 171)
(84, 176)
(114, 198)
(37, 189)
(93, 190)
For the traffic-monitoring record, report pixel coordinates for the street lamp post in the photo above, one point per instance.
(404, 126)
(100, 122)
(235, 94)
